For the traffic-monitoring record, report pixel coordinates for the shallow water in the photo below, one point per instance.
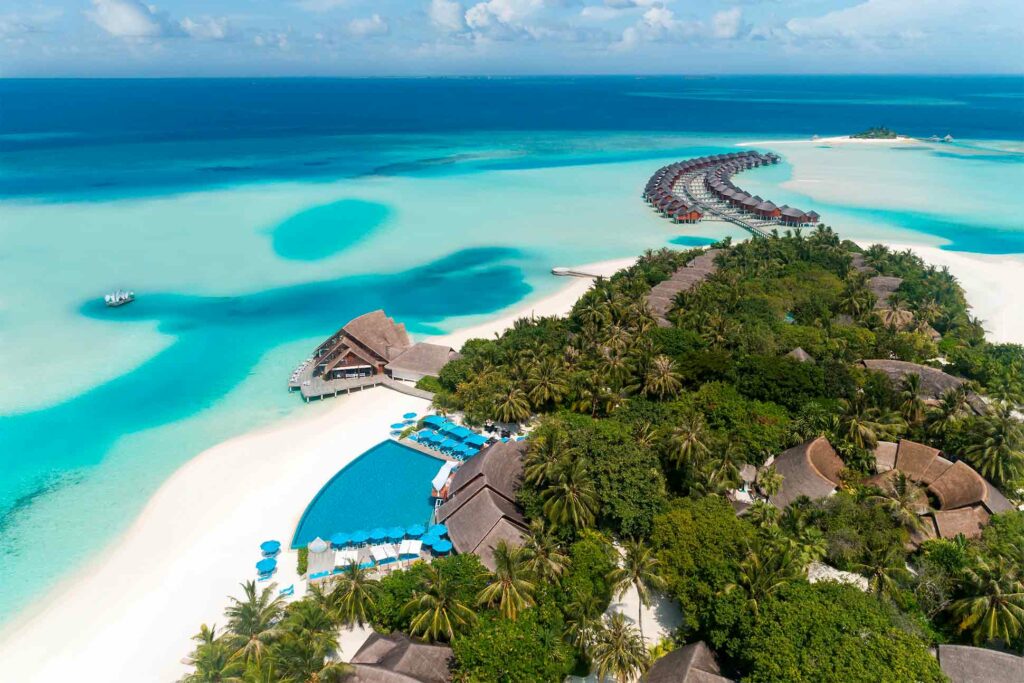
(252, 224)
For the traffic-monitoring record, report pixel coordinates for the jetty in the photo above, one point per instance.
(369, 351)
(688, 191)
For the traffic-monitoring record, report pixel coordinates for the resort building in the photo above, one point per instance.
(693, 663)
(399, 659)
(965, 664)
(934, 382)
(481, 506)
(883, 286)
(662, 296)
(961, 501)
(369, 350)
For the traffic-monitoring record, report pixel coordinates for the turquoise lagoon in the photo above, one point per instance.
(246, 251)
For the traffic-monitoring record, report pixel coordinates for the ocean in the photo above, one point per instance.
(254, 216)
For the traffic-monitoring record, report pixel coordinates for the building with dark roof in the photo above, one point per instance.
(419, 361)
(693, 663)
(399, 659)
(362, 347)
(810, 469)
(934, 382)
(481, 508)
(963, 664)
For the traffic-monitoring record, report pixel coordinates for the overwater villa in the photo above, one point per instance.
(369, 350)
(962, 501)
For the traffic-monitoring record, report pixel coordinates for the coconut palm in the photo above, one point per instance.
(688, 444)
(254, 621)
(763, 572)
(547, 383)
(356, 594)
(999, 455)
(306, 652)
(437, 613)
(946, 415)
(570, 500)
(618, 651)
(884, 566)
(905, 500)
(214, 662)
(769, 481)
(912, 405)
(640, 569)
(994, 608)
(863, 425)
(545, 453)
(511, 405)
(510, 588)
(583, 621)
(661, 379)
(544, 559)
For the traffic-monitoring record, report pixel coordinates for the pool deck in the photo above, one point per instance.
(427, 451)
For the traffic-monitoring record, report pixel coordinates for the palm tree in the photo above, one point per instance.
(912, 406)
(618, 651)
(544, 559)
(254, 622)
(583, 621)
(547, 383)
(356, 594)
(511, 405)
(884, 567)
(904, 500)
(509, 588)
(570, 500)
(662, 379)
(639, 569)
(688, 444)
(943, 417)
(762, 573)
(437, 611)
(545, 453)
(999, 455)
(994, 608)
(306, 651)
(863, 425)
(213, 659)
(769, 481)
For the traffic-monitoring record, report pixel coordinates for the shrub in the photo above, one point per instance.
(303, 564)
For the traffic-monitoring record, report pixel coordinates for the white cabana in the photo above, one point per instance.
(441, 478)
(348, 556)
(382, 553)
(321, 557)
(410, 547)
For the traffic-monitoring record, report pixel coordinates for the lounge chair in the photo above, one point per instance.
(287, 592)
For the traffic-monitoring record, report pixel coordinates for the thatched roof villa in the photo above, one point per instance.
(693, 663)
(481, 508)
(800, 355)
(934, 382)
(419, 361)
(964, 664)
(399, 659)
(962, 501)
(882, 286)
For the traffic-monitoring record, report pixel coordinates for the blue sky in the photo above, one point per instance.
(448, 37)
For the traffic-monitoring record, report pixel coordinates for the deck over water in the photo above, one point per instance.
(317, 387)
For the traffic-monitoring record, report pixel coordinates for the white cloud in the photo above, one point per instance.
(508, 12)
(205, 28)
(272, 40)
(127, 18)
(447, 15)
(727, 23)
(369, 26)
(657, 24)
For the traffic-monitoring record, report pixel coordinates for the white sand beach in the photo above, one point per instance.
(838, 140)
(128, 616)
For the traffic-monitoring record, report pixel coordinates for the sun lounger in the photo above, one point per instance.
(287, 592)
(318, 575)
(346, 557)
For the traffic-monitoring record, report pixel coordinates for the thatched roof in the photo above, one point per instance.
(958, 487)
(995, 501)
(693, 663)
(913, 459)
(810, 469)
(964, 664)
(858, 263)
(885, 456)
(899, 318)
(882, 286)
(423, 359)
(801, 355)
(934, 382)
(499, 466)
(966, 521)
(379, 333)
(398, 659)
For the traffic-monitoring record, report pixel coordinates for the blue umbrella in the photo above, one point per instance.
(378, 534)
(398, 425)
(360, 536)
(396, 533)
(270, 547)
(430, 539)
(339, 539)
(266, 565)
(438, 530)
(415, 530)
(409, 416)
(442, 546)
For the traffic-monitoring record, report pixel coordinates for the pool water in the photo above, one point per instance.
(388, 485)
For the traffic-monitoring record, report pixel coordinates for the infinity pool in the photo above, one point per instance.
(388, 485)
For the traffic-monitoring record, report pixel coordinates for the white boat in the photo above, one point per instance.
(119, 298)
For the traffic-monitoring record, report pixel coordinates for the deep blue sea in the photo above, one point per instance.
(254, 216)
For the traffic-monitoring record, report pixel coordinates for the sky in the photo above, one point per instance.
(96, 38)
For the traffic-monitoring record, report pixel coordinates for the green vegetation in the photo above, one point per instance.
(876, 133)
(638, 434)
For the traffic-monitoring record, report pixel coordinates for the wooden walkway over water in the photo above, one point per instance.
(317, 387)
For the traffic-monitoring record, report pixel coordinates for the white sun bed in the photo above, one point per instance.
(379, 553)
(410, 547)
(346, 557)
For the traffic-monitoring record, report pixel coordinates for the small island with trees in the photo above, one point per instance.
(876, 133)
(644, 433)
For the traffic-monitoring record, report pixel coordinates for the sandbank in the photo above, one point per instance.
(129, 614)
(837, 140)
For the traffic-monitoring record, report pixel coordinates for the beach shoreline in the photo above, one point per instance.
(837, 140)
(130, 611)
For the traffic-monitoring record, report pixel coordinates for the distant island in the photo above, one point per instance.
(876, 133)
